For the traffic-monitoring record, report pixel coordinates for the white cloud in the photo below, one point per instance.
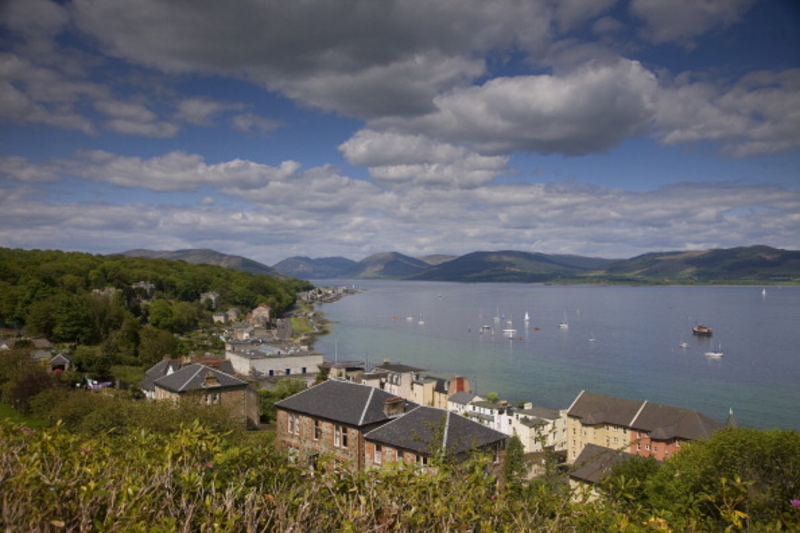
(320, 212)
(254, 124)
(200, 111)
(684, 20)
(400, 158)
(760, 114)
(587, 110)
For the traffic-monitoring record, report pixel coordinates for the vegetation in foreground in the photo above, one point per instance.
(193, 478)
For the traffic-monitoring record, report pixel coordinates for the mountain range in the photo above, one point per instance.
(742, 265)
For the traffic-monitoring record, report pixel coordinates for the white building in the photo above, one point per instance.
(540, 427)
(263, 359)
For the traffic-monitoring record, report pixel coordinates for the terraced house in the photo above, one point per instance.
(638, 427)
(365, 427)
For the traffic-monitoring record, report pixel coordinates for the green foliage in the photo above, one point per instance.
(746, 470)
(50, 292)
(283, 389)
(155, 344)
(515, 466)
(493, 397)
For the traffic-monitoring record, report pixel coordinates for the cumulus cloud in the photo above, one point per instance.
(320, 212)
(684, 20)
(586, 110)
(175, 171)
(757, 115)
(399, 158)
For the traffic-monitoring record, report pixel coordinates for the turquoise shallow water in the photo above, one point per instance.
(450, 328)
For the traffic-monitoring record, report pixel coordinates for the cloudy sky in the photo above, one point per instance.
(273, 128)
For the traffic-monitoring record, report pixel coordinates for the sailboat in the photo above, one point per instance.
(715, 353)
(564, 324)
(527, 317)
(683, 344)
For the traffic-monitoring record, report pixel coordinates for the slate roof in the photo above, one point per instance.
(193, 377)
(59, 359)
(341, 401)
(661, 422)
(462, 398)
(596, 462)
(595, 409)
(665, 422)
(418, 429)
(158, 370)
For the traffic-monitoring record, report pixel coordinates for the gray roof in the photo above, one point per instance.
(544, 413)
(462, 398)
(596, 462)
(662, 422)
(341, 401)
(595, 409)
(59, 360)
(194, 377)
(419, 429)
(665, 422)
(158, 370)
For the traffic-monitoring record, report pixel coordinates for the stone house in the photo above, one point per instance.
(590, 467)
(425, 432)
(460, 402)
(211, 387)
(639, 427)
(332, 418)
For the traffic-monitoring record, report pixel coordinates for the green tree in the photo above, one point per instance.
(515, 467)
(160, 315)
(746, 470)
(283, 389)
(155, 344)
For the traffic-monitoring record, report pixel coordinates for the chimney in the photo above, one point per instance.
(393, 406)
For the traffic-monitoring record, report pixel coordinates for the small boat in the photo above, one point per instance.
(527, 317)
(716, 354)
(699, 329)
(684, 344)
(564, 324)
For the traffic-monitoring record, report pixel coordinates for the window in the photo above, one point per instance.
(317, 430)
(294, 424)
(304, 370)
(271, 372)
(647, 447)
(212, 398)
(400, 455)
(378, 454)
(339, 436)
(288, 371)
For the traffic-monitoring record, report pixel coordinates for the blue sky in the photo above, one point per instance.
(270, 129)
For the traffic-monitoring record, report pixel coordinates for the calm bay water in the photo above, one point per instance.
(635, 350)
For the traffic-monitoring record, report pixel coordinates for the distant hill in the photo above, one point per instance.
(203, 256)
(511, 265)
(742, 264)
(321, 268)
(745, 265)
(389, 265)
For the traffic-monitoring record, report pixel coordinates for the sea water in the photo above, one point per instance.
(622, 341)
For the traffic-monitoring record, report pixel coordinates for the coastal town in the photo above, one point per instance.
(363, 415)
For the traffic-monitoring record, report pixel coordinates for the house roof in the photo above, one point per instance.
(594, 409)
(396, 367)
(661, 422)
(421, 428)
(342, 401)
(59, 359)
(544, 413)
(159, 370)
(665, 422)
(198, 377)
(596, 462)
(462, 398)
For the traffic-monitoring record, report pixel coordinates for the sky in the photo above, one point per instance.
(271, 129)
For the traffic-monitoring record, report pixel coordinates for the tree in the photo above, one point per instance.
(751, 471)
(515, 468)
(155, 344)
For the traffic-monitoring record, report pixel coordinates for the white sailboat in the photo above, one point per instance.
(564, 324)
(527, 317)
(716, 354)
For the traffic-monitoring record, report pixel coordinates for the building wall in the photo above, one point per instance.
(242, 403)
(276, 366)
(606, 435)
(319, 439)
(643, 445)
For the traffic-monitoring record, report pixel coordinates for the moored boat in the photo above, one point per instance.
(702, 330)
